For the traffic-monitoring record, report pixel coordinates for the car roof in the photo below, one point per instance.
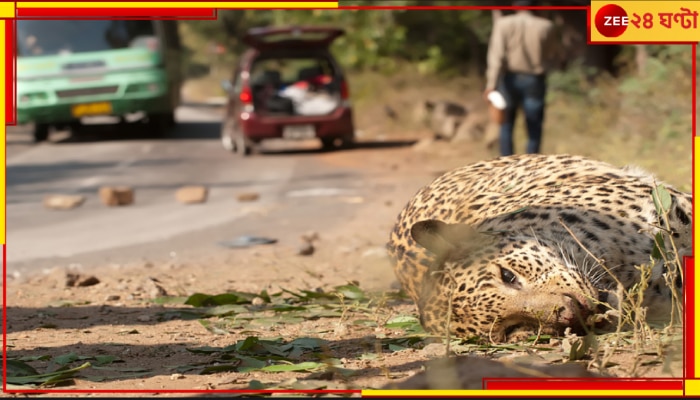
(266, 38)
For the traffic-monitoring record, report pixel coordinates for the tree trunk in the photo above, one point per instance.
(640, 58)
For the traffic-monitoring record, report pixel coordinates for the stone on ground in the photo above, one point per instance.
(63, 201)
(114, 196)
(192, 194)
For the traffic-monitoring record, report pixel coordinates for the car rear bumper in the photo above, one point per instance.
(337, 124)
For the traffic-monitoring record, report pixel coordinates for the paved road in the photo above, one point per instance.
(156, 225)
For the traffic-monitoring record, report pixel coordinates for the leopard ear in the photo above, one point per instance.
(440, 238)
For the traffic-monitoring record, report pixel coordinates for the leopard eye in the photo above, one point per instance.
(508, 277)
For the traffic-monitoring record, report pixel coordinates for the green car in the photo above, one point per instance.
(68, 71)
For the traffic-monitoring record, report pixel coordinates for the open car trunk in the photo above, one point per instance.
(294, 73)
(299, 85)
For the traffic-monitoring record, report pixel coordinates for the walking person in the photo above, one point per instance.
(521, 50)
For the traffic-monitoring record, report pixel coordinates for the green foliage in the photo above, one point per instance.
(667, 75)
(439, 41)
(376, 39)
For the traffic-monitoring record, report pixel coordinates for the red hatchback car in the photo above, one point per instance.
(287, 85)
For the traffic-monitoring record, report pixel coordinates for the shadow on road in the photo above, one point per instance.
(359, 145)
(141, 131)
(38, 173)
(16, 141)
(204, 106)
(35, 173)
(204, 131)
(170, 353)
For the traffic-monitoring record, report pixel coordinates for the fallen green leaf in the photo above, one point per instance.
(257, 385)
(350, 292)
(396, 347)
(219, 368)
(68, 358)
(107, 359)
(170, 300)
(48, 379)
(305, 366)
(250, 364)
(202, 300)
(45, 357)
(211, 327)
(19, 368)
(408, 323)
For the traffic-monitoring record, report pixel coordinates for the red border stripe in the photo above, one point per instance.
(4, 310)
(688, 326)
(493, 383)
(439, 8)
(56, 13)
(581, 384)
(155, 391)
(10, 66)
(694, 92)
(689, 272)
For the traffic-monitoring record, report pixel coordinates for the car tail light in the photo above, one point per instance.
(246, 95)
(344, 92)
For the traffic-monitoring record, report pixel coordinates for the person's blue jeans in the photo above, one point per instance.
(526, 91)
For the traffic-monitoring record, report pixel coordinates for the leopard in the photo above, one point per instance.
(540, 244)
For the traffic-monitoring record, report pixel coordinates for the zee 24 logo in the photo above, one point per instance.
(612, 20)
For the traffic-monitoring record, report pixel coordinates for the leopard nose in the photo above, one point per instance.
(582, 306)
(581, 300)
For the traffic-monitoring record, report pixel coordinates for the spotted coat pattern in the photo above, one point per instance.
(530, 243)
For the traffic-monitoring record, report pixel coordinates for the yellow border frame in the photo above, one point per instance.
(8, 11)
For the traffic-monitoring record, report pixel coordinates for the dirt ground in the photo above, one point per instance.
(361, 335)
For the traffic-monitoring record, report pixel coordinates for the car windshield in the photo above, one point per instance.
(49, 37)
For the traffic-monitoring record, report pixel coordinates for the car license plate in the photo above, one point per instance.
(82, 110)
(299, 132)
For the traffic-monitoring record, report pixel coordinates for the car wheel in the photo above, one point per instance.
(241, 146)
(76, 130)
(328, 144)
(170, 119)
(348, 142)
(41, 133)
(226, 139)
(335, 143)
(162, 122)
